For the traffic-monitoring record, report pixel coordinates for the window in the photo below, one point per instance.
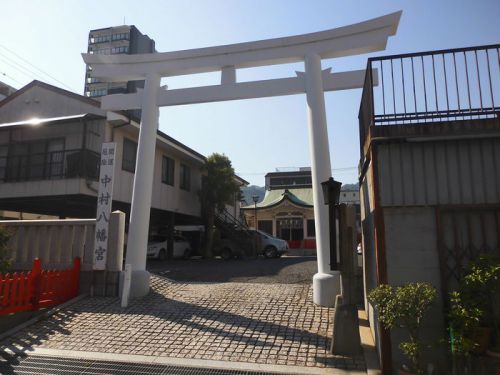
(55, 158)
(116, 50)
(100, 38)
(35, 160)
(99, 92)
(129, 155)
(120, 36)
(185, 176)
(104, 51)
(311, 229)
(266, 226)
(167, 171)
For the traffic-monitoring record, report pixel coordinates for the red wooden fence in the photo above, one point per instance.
(294, 244)
(310, 243)
(37, 288)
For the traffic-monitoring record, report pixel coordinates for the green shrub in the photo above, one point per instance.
(474, 304)
(464, 319)
(404, 307)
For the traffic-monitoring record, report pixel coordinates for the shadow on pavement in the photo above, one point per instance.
(286, 270)
(17, 347)
(191, 322)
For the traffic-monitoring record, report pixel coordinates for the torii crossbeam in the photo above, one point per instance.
(364, 37)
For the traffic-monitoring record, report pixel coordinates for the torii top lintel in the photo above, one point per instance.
(363, 37)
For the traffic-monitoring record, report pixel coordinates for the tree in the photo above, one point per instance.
(218, 188)
(405, 307)
(5, 254)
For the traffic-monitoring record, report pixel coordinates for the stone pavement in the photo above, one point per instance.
(275, 324)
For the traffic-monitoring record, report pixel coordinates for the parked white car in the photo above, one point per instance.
(157, 248)
(272, 247)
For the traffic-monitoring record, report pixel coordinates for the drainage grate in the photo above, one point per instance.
(31, 365)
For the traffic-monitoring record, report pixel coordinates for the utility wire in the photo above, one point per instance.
(19, 68)
(40, 70)
(11, 78)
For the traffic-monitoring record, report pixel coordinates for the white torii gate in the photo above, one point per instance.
(354, 39)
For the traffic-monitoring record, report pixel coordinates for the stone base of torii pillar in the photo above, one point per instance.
(326, 287)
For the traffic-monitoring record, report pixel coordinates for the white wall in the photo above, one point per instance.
(165, 197)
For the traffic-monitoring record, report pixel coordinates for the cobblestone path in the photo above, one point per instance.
(244, 322)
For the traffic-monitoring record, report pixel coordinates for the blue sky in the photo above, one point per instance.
(258, 135)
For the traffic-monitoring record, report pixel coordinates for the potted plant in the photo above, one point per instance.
(405, 307)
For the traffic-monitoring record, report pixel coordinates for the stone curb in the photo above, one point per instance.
(368, 345)
(41, 316)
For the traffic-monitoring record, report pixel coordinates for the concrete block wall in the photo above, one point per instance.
(58, 242)
(412, 256)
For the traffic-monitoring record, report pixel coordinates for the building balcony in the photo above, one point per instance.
(80, 163)
(431, 94)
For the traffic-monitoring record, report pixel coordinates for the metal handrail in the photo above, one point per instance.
(432, 86)
(227, 218)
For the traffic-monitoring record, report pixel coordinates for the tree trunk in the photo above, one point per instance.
(210, 234)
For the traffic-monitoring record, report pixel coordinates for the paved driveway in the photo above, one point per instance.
(285, 270)
(253, 320)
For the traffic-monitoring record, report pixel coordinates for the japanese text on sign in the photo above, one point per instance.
(104, 202)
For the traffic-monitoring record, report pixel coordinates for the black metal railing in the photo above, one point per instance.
(445, 85)
(50, 165)
(227, 220)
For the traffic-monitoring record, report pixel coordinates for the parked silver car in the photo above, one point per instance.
(270, 246)
(157, 248)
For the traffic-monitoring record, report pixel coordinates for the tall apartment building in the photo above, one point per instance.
(115, 40)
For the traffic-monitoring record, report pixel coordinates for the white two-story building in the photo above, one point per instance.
(50, 141)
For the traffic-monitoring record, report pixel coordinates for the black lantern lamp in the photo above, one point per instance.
(331, 191)
(331, 194)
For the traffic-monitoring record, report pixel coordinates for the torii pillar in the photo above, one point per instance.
(326, 283)
(143, 189)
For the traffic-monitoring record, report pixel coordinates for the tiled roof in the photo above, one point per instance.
(301, 197)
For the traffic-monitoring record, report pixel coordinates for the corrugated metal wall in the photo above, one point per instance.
(442, 172)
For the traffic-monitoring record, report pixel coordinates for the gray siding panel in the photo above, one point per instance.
(407, 171)
(440, 172)
(419, 174)
(430, 169)
(396, 175)
(385, 176)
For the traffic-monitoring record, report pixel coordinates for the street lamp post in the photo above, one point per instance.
(331, 193)
(255, 199)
